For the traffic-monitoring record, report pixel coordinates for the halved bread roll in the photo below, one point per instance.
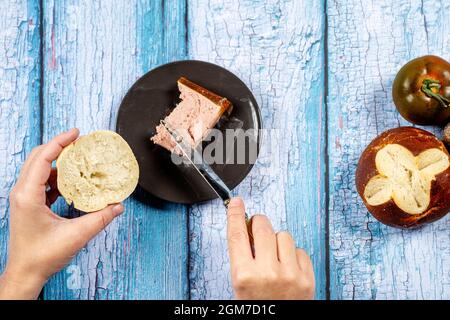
(403, 178)
(97, 170)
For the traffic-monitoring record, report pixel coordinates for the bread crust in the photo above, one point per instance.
(416, 141)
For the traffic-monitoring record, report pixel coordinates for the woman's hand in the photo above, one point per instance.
(277, 270)
(41, 243)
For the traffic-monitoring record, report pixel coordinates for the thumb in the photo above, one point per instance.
(89, 225)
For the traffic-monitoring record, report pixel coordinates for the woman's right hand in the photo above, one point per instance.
(277, 270)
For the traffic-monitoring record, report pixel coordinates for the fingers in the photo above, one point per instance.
(307, 271)
(39, 167)
(28, 161)
(264, 239)
(286, 249)
(89, 225)
(238, 239)
(305, 264)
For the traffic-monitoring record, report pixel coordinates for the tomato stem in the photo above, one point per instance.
(427, 86)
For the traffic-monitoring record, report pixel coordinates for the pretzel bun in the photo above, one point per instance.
(403, 178)
(97, 170)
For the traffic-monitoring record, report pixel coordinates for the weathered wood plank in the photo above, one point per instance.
(276, 48)
(368, 42)
(19, 98)
(94, 51)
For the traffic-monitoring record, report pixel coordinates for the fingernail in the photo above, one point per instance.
(236, 202)
(117, 209)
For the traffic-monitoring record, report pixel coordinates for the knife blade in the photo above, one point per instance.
(196, 161)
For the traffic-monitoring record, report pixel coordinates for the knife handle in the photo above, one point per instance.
(248, 221)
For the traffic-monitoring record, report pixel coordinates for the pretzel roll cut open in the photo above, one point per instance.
(403, 178)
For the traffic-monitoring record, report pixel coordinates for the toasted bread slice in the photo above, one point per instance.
(97, 170)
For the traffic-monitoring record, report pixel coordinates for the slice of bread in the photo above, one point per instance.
(97, 170)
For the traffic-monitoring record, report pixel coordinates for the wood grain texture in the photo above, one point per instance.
(19, 98)
(368, 43)
(276, 48)
(93, 52)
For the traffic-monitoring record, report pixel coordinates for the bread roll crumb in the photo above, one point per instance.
(97, 170)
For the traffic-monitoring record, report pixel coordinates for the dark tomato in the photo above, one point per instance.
(421, 91)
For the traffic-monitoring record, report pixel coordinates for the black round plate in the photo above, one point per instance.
(152, 97)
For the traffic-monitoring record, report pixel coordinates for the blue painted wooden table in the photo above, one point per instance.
(321, 72)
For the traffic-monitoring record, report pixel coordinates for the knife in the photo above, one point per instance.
(195, 160)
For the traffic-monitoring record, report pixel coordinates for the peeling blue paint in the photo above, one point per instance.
(94, 51)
